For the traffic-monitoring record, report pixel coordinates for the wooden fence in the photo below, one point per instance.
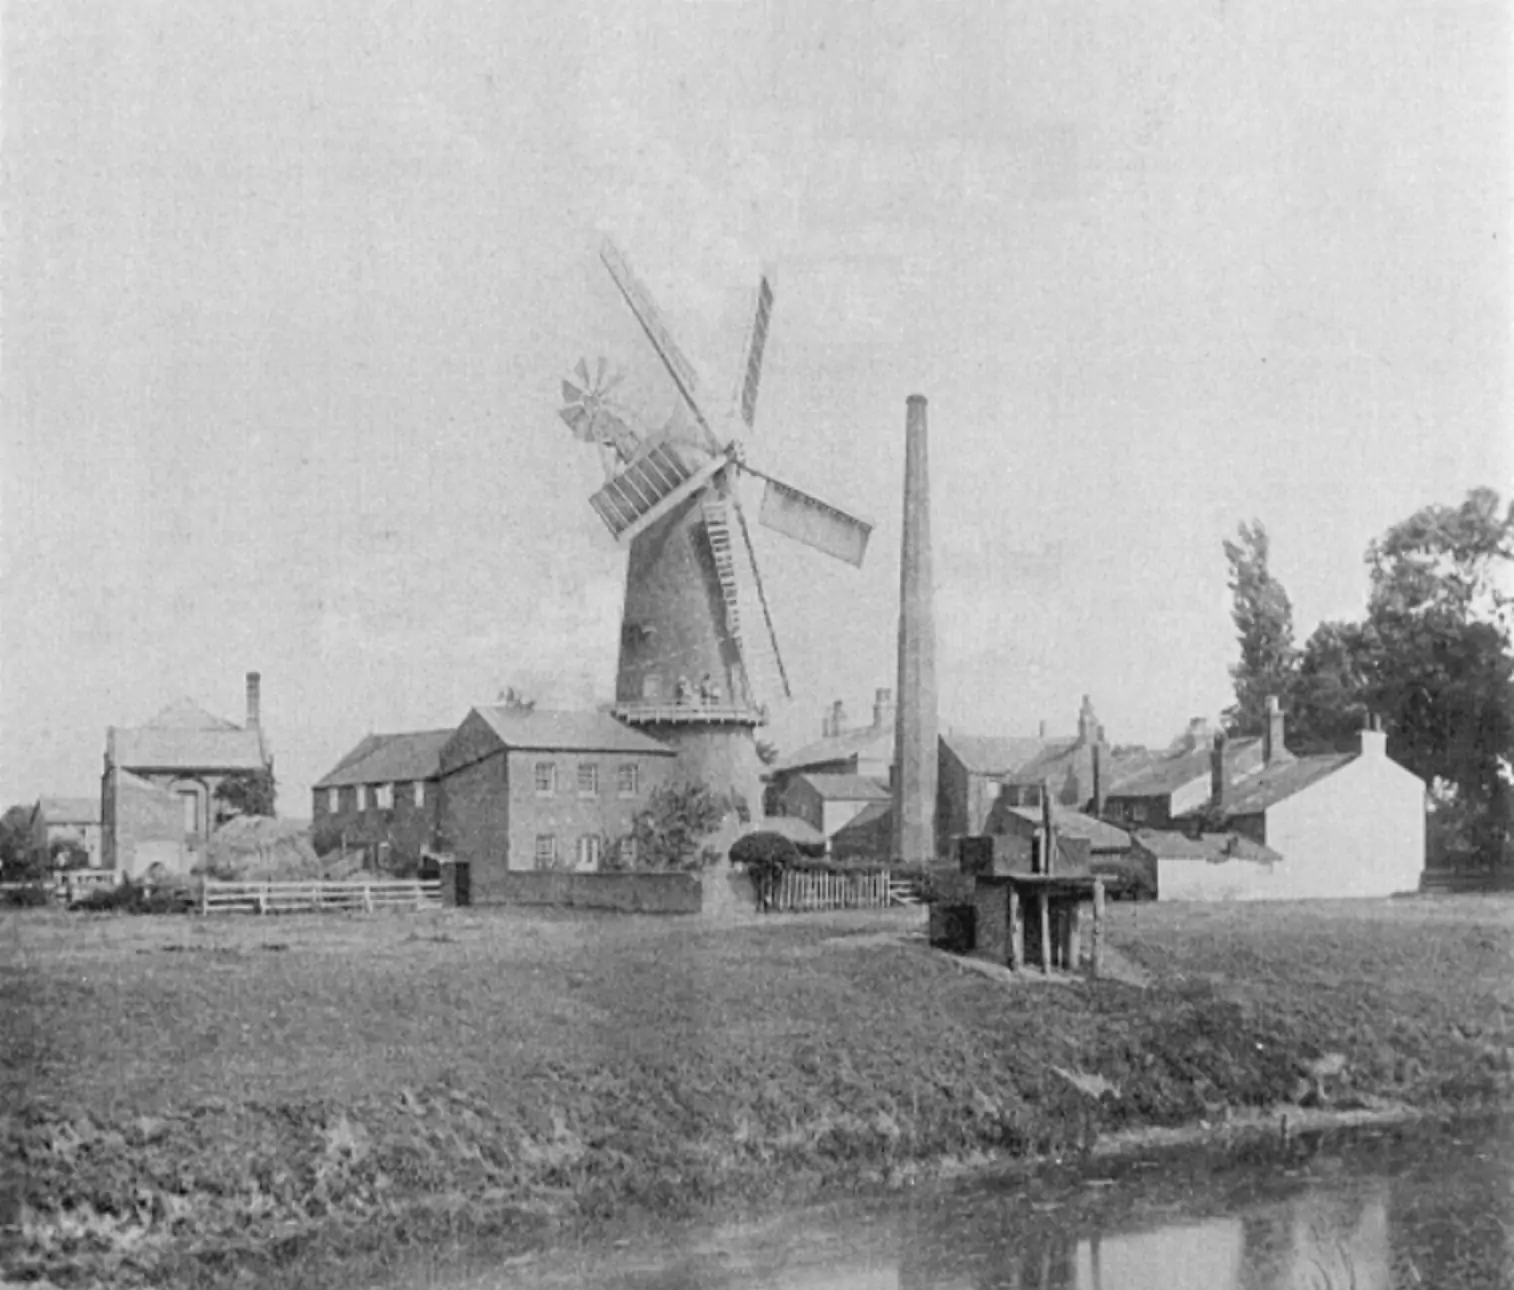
(809, 889)
(301, 897)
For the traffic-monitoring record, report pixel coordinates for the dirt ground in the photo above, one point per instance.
(188, 1097)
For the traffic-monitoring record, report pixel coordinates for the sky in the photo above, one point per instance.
(289, 293)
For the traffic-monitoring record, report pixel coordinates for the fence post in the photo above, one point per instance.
(1098, 927)
(204, 897)
(367, 899)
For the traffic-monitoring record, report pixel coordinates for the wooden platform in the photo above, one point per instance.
(1041, 912)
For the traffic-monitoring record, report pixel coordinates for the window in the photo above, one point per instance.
(190, 804)
(1138, 811)
(420, 792)
(651, 686)
(333, 800)
(589, 850)
(546, 779)
(362, 797)
(546, 850)
(384, 795)
(588, 778)
(628, 779)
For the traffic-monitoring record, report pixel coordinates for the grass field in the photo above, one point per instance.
(220, 1088)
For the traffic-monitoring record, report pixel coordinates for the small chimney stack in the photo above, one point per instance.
(1199, 735)
(1088, 724)
(883, 709)
(1217, 771)
(838, 718)
(1273, 747)
(1374, 740)
(1100, 790)
(254, 700)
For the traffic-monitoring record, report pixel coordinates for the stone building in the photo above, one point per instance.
(157, 799)
(382, 799)
(542, 790)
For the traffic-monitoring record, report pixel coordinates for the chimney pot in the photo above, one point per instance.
(1274, 747)
(254, 700)
(1041, 730)
(1217, 772)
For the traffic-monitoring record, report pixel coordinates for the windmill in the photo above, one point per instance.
(699, 658)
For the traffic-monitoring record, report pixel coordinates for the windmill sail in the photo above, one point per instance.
(745, 602)
(640, 301)
(755, 348)
(648, 488)
(808, 520)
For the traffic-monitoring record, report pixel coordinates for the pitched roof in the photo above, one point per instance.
(1000, 754)
(834, 748)
(1168, 844)
(69, 810)
(1169, 772)
(185, 737)
(1075, 824)
(867, 817)
(1283, 779)
(846, 788)
(383, 759)
(571, 731)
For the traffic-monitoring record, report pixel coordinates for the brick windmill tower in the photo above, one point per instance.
(699, 659)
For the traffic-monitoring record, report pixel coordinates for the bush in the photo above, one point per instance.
(134, 898)
(765, 856)
(32, 896)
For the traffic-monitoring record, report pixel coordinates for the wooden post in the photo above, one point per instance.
(1098, 927)
(1049, 847)
(367, 899)
(204, 896)
(1074, 948)
(1016, 931)
(1045, 931)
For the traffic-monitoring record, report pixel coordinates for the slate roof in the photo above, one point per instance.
(835, 748)
(568, 731)
(869, 815)
(1280, 780)
(387, 759)
(846, 788)
(69, 810)
(185, 737)
(1166, 774)
(1075, 824)
(1001, 755)
(1212, 847)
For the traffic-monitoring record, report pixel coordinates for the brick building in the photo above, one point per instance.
(57, 820)
(828, 802)
(157, 797)
(542, 790)
(382, 799)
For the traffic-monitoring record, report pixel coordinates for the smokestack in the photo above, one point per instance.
(1273, 747)
(1217, 772)
(254, 700)
(915, 729)
(838, 718)
(883, 708)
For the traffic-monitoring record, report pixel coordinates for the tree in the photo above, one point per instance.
(18, 862)
(67, 853)
(1331, 688)
(1263, 617)
(246, 792)
(669, 834)
(765, 856)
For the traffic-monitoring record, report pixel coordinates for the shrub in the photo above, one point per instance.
(32, 896)
(765, 855)
(134, 898)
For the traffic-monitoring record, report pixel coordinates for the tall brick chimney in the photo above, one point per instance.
(914, 805)
(254, 700)
(1273, 747)
(1088, 724)
(883, 708)
(1217, 771)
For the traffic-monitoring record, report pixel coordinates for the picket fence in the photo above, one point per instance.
(807, 889)
(301, 897)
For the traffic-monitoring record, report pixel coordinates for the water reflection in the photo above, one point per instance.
(1433, 1210)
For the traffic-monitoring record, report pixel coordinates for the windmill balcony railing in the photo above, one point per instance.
(735, 713)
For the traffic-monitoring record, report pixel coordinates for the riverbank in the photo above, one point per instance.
(192, 1099)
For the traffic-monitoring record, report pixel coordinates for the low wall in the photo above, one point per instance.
(631, 893)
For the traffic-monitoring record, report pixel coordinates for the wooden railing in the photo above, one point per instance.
(299, 897)
(801, 889)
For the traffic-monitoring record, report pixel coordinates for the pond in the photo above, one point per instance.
(1427, 1206)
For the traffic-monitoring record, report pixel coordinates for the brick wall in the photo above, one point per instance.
(567, 814)
(475, 821)
(147, 826)
(404, 826)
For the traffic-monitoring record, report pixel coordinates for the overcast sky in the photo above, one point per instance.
(291, 288)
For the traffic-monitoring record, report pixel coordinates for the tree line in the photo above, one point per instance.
(1430, 660)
